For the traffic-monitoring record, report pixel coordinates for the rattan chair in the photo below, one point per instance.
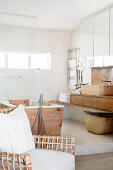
(22, 161)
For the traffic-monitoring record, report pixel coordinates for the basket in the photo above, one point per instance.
(99, 123)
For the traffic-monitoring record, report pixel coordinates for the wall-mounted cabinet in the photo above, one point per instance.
(86, 48)
(86, 40)
(101, 39)
(101, 34)
(97, 40)
(111, 36)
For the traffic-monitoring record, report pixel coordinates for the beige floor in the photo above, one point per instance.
(88, 162)
(95, 162)
(74, 128)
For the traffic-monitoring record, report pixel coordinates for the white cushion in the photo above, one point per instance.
(15, 132)
(51, 160)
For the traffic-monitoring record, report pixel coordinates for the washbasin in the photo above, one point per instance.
(100, 90)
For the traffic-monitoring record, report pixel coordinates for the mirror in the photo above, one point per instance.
(111, 36)
(101, 40)
(86, 43)
(86, 49)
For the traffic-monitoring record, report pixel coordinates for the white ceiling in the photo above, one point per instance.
(50, 14)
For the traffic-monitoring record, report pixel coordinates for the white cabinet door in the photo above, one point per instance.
(86, 49)
(101, 39)
(111, 37)
(86, 43)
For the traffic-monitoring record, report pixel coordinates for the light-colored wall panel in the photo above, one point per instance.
(111, 36)
(33, 82)
(101, 34)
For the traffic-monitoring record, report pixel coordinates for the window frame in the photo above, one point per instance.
(29, 55)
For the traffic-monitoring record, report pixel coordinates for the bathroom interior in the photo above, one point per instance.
(71, 68)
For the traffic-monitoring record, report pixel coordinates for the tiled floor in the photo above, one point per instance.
(74, 128)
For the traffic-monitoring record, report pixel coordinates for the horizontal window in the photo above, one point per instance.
(2, 60)
(17, 60)
(41, 61)
(25, 61)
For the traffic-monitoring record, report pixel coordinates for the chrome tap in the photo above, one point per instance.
(107, 81)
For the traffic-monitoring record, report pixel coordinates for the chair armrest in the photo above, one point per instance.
(15, 161)
(7, 110)
(58, 143)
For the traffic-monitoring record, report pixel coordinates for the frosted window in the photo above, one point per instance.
(2, 60)
(40, 61)
(25, 61)
(17, 60)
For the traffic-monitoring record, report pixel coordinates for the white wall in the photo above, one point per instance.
(33, 82)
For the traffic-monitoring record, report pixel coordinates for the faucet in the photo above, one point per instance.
(107, 81)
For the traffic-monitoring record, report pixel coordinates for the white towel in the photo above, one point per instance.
(72, 63)
(72, 84)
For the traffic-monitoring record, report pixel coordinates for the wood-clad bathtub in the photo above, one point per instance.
(52, 116)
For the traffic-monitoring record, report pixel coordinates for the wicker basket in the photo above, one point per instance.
(99, 123)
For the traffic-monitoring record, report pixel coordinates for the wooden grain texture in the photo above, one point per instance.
(31, 113)
(90, 90)
(98, 102)
(100, 74)
(97, 90)
(106, 90)
(87, 101)
(102, 103)
(76, 99)
(18, 102)
(52, 119)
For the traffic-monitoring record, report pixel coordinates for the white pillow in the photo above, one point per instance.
(15, 132)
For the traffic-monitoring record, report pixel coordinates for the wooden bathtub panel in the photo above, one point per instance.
(31, 113)
(52, 119)
(18, 102)
(51, 113)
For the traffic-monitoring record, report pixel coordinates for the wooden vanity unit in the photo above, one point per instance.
(96, 102)
(100, 75)
(98, 95)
